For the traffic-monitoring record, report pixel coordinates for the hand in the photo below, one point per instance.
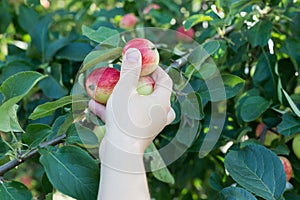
(133, 121)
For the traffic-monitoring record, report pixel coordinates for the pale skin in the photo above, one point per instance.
(132, 122)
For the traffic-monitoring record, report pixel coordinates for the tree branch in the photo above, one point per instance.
(15, 162)
(179, 63)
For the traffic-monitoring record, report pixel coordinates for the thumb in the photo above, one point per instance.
(130, 70)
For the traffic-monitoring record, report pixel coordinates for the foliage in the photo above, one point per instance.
(254, 50)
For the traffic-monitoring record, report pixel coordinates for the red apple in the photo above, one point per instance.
(269, 137)
(184, 35)
(287, 167)
(27, 180)
(128, 21)
(150, 56)
(150, 7)
(145, 85)
(101, 82)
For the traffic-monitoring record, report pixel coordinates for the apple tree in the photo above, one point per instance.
(236, 94)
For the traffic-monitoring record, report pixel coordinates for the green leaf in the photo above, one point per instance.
(235, 193)
(102, 35)
(191, 106)
(8, 117)
(240, 102)
(12, 89)
(291, 48)
(52, 88)
(14, 191)
(260, 33)
(201, 65)
(4, 16)
(13, 93)
(39, 33)
(233, 85)
(265, 76)
(72, 171)
(162, 174)
(81, 135)
(258, 170)
(14, 67)
(289, 125)
(35, 134)
(196, 19)
(56, 46)
(291, 102)
(253, 107)
(219, 88)
(98, 56)
(200, 54)
(75, 51)
(27, 18)
(49, 107)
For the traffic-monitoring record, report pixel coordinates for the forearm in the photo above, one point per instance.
(123, 174)
(115, 185)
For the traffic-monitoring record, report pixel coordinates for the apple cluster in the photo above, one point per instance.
(101, 81)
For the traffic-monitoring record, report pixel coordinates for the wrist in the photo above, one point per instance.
(120, 159)
(124, 141)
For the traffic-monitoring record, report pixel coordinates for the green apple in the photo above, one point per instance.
(145, 85)
(296, 145)
(269, 137)
(297, 89)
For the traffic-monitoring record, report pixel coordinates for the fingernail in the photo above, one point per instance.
(132, 55)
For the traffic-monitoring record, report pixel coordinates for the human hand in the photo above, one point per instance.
(133, 121)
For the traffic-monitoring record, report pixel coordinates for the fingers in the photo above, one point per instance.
(130, 71)
(163, 85)
(98, 109)
(171, 116)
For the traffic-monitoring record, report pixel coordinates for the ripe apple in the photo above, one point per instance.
(296, 145)
(101, 82)
(145, 85)
(184, 35)
(150, 56)
(128, 21)
(269, 136)
(287, 167)
(27, 180)
(150, 7)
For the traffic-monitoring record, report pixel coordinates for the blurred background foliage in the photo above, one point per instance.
(258, 55)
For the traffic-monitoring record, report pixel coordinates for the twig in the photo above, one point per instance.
(15, 162)
(180, 62)
(227, 30)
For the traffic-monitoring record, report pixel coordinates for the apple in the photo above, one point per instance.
(128, 21)
(296, 145)
(297, 89)
(269, 136)
(101, 82)
(27, 180)
(145, 85)
(287, 167)
(150, 56)
(184, 35)
(150, 7)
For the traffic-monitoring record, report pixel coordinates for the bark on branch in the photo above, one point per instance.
(15, 162)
